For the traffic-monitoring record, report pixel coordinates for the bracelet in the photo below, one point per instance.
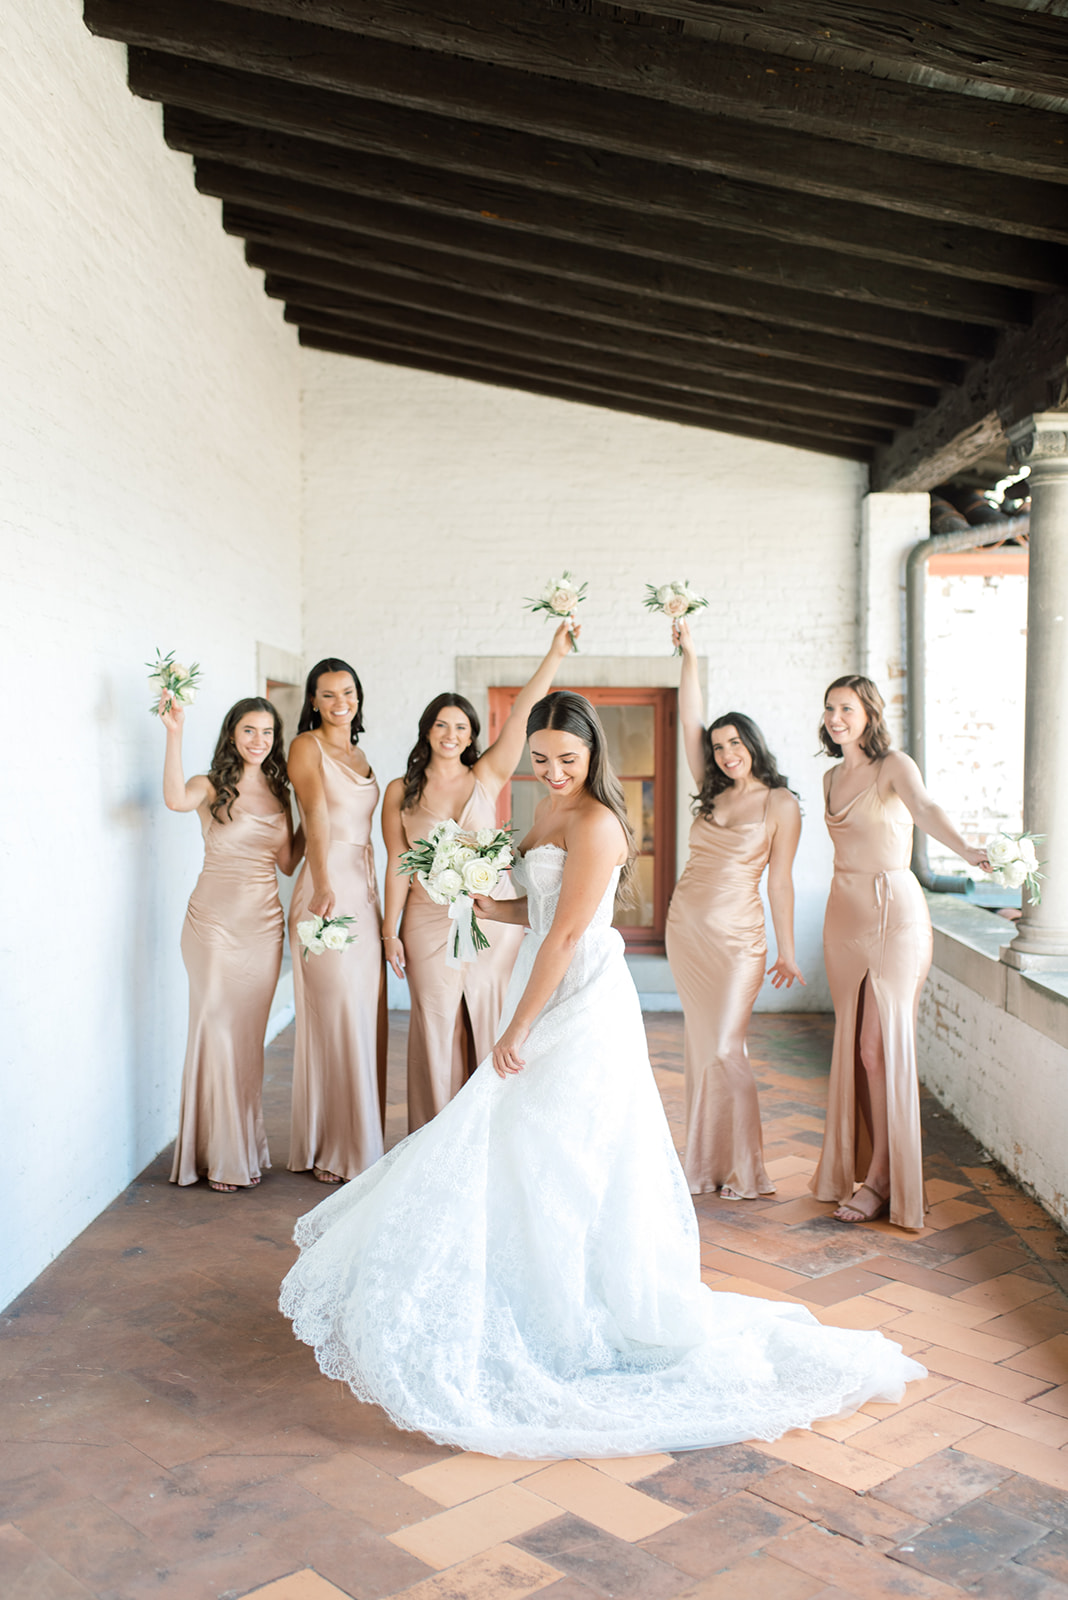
(386, 936)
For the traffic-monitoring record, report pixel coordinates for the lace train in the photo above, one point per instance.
(521, 1276)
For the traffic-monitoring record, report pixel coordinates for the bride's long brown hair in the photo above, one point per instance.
(567, 712)
(227, 766)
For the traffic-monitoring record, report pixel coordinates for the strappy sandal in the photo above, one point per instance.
(880, 1209)
(325, 1176)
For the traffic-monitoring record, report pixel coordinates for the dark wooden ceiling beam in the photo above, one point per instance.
(551, 110)
(377, 296)
(684, 70)
(359, 257)
(1028, 372)
(417, 332)
(777, 433)
(247, 120)
(990, 44)
(749, 287)
(710, 410)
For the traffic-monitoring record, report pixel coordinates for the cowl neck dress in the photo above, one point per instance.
(877, 926)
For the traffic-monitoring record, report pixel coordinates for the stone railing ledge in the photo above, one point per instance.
(967, 945)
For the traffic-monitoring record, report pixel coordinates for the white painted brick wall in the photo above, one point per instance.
(149, 494)
(1006, 1081)
(433, 505)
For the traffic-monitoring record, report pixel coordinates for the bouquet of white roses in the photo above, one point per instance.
(168, 677)
(452, 866)
(1014, 862)
(674, 600)
(561, 597)
(324, 933)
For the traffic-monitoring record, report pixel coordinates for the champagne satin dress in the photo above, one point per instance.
(339, 1064)
(232, 949)
(878, 927)
(717, 947)
(455, 1010)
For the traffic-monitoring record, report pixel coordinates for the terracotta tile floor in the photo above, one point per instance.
(164, 1435)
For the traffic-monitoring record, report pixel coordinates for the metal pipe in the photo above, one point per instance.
(916, 665)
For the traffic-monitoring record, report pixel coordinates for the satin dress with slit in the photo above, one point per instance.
(878, 928)
(717, 948)
(455, 1010)
(339, 1062)
(232, 949)
(522, 1276)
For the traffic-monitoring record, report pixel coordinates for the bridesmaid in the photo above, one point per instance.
(455, 1011)
(877, 947)
(339, 1064)
(232, 939)
(746, 819)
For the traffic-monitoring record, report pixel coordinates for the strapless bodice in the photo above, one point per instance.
(540, 872)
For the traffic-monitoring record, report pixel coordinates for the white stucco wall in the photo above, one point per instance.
(433, 506)
(149, 495)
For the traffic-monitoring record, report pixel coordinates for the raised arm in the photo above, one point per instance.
(397, 882)
(691, 711)
(594, 844)
(495, 767)
(178, 795)
(306, 776)
(786, 823)
(901, 773)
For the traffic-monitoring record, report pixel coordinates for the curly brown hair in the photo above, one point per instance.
(420, 753)
(227, 766)
(765, 768)
(876, 740)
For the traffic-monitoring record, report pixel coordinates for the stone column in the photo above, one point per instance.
(1041, 442)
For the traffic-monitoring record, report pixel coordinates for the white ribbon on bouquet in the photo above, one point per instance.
(461, 945)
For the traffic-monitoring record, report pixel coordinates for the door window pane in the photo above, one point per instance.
(630, 734)
(639, 910)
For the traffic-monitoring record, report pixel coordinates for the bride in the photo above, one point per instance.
(521, 1276)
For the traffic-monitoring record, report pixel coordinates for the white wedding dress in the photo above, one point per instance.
(521, 1276)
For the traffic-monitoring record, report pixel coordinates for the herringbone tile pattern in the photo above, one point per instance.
(163, 1435)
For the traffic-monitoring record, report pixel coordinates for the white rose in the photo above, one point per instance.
(185, 694)
(1028, 853)
(564, 601)
(307, 931)
(677, 606)
(425, 880)
(484, 837)
(1000, 850)
(503, 857)
(461, 856)
(444, 886)
(1012, 876)
(480, 876)
(335, 937)
(178, 671)
(665, 593)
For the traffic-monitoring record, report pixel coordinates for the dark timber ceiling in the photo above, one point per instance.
(838, 225)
